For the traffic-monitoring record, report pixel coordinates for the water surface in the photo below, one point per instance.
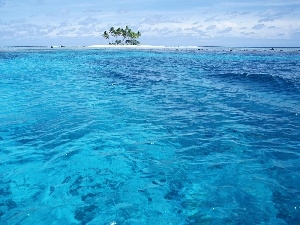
(149, 137)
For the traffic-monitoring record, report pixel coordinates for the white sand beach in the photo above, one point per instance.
(143, 46)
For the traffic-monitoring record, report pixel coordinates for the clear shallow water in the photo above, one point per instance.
(149, 137)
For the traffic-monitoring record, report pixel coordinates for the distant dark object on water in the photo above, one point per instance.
(271, 48)
(61, 46)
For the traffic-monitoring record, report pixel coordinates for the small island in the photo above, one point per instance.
(122, 36)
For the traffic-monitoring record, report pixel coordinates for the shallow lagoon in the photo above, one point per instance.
(104, 136)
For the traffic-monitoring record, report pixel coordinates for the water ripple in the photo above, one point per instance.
(151, 137)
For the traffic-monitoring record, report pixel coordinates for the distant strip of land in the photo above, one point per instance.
(143, 46)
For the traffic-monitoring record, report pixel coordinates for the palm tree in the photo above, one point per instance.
(118, 32)
(133, 36)
(126, 33)
(112, 31)
(130, 35)
(105, 35)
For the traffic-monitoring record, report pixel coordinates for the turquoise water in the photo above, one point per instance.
(149, 137)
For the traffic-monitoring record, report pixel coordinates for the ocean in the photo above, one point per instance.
(141, 136)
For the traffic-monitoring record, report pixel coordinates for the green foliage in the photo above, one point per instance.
(105, 35)
(128, 36)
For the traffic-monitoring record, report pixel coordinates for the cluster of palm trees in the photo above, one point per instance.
(127, 36)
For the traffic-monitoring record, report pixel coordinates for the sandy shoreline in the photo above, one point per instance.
(206, 48)
(143, 46)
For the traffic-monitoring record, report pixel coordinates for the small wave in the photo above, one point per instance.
(263, 80)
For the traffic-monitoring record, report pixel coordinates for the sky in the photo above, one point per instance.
(235, 23)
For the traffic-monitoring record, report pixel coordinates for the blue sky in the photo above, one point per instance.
(161, 22)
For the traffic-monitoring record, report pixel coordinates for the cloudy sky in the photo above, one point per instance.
(161, 22)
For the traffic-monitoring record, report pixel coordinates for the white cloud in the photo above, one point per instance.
(272, 15)
(212, 19)
(89, 21)
(258, 26)
(226, 30)
(211, 27)
(247, 33)
(158, 19)
(216, 19)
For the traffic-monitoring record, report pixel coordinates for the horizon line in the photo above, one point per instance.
(173, 46)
